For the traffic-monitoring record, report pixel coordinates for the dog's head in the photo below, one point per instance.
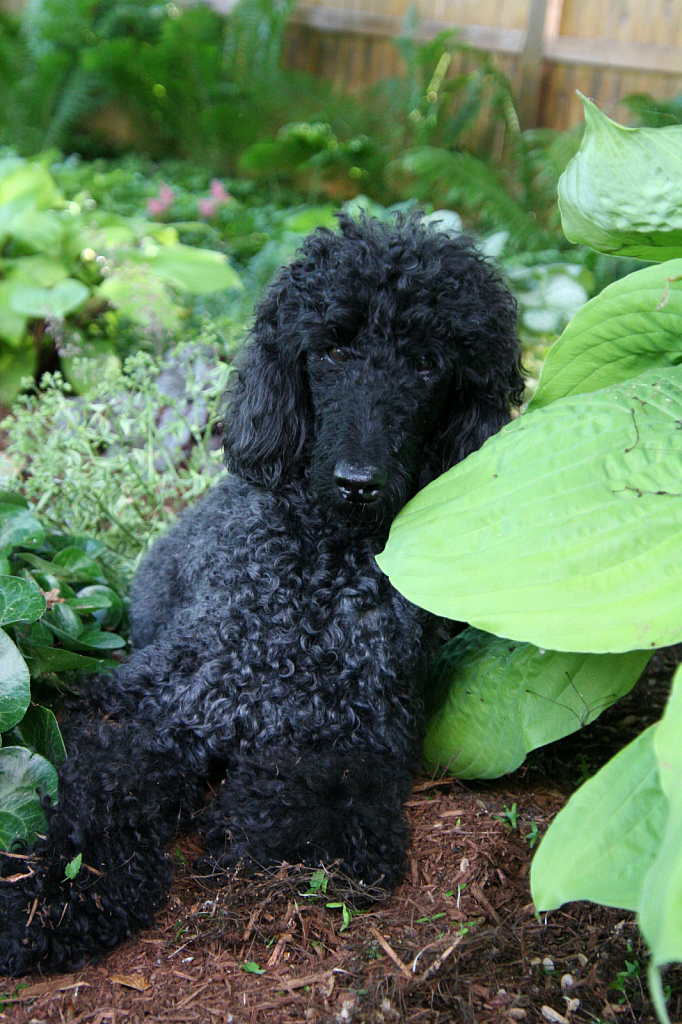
(378, 359)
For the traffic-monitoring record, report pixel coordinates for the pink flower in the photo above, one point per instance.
(218, 191)
(207, 207)
(161, 203)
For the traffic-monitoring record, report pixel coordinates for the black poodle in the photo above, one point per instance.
(268, 646)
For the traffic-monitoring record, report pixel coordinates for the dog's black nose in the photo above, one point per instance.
(361, 484)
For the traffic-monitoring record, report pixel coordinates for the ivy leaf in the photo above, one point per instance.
(15, 684)
(38, 731)
(21, 775)
(20, 600)
(19, 527)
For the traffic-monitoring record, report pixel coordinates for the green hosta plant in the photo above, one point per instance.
(580, 501)
(72, 261)
(60, 609)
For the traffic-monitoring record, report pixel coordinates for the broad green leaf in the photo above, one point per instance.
(20, 600)
(36, 270)
(660, 911)
(39, 732)
(64, 619)
(12, 498)
(63, 298)
(46, 570)
(16, 363)
(603, 842)
(34, 633)
(15, 684)
(19, 527)
(91, 546)
(12, 324)
(622, 192)
(28, 180)
(11, 828)
(22, 773)
(141, 297)
(88, 641)
(501, 700)
(102, 232)
(79, 565)
(40, 230)
(189, 269)
(103, 602)
(306, 220)
(563, 530)
(42, 659)
(634, 325)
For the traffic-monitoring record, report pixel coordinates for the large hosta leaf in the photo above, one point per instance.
(631, 814)
(601, 845)
(632, 326)
(622, 193)
(563, 530)
(500, 699)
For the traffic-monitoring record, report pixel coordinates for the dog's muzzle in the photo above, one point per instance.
(359, 484)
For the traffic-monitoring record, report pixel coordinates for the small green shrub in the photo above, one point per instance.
(122, 462)
(73, 272)
(61, 611)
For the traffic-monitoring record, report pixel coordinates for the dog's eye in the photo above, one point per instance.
(337, 355)
(425, 364)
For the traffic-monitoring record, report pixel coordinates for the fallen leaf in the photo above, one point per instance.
(136, 981)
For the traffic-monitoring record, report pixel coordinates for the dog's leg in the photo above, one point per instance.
(313, 806)
(122, 795)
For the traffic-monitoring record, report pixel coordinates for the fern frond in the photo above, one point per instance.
(464, 183)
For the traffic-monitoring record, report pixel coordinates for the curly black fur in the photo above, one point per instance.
(268, 644)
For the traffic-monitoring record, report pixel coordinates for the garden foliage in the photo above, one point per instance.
(122, 462)
(72, 260)
(61, 605)
(177, 80)
(591, 473)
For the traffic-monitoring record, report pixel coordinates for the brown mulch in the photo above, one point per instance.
(459, 941)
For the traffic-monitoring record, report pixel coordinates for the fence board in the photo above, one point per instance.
(605, 48)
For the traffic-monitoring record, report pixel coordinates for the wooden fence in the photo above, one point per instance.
(607, 49)
(548, 48)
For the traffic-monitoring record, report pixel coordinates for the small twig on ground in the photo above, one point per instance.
(405, 970)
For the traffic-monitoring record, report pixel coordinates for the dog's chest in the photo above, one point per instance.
(305, 611)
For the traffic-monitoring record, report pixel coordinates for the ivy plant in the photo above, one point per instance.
(70, 261)
(579, 499)
(61, 611)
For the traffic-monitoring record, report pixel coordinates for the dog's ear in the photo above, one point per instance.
(488, 380)
(266, 418)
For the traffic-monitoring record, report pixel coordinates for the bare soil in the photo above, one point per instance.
(459, 941)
